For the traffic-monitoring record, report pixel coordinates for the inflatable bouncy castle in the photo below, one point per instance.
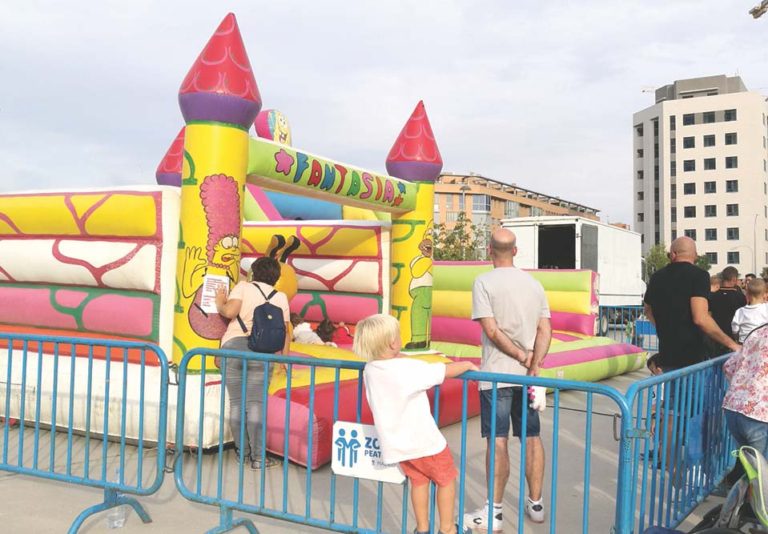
(132, 263)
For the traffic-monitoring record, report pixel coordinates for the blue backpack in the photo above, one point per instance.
(268, 331)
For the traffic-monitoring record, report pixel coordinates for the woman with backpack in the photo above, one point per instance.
(248, 304)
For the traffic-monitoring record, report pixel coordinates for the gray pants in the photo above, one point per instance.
(251, 404)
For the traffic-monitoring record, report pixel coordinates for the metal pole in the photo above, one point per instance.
(754, 246)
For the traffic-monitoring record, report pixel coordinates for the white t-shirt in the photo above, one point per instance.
(396, 389)
(747, 318)
(517, 301)
(251, 298)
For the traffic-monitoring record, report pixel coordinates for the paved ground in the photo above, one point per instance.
(41, 506)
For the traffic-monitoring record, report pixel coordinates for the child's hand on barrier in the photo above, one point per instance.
(217, 362)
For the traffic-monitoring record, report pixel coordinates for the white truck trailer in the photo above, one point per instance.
(569, 242)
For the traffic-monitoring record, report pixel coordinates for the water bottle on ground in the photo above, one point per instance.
(116, 516)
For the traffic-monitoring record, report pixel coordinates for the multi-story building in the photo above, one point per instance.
(486, 202)
(701, 169)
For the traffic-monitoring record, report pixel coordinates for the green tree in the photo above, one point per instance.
(655, 259)
(461, 242)
(702, 262)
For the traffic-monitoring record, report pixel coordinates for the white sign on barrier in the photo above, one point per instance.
(357, 453)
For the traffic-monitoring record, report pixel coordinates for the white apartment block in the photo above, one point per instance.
(701, 169)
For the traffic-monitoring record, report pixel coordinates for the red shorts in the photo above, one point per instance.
(439, 468)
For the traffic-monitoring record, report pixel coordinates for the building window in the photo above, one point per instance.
(731, 138)
(674, 236)
(640, 217)
(673, 168)
(672, 123)
(730, 115)
(689, 211)
(689, 189)
(452, 216)
(461, 202)
(710, 210)
(673, 214)
(656, 195)
(535, 211)
(639, 175)
(708, 117)
(712, 257)
(690, 233)
(710, 234)
(710, 187)
(732, 186)
(673, 146)
(709, 140)
(689, 165)
(733, 257)
(482, 202)
(732, 234)
(688, 119)
(639, 152)
(709, 164)
(731, 162)
(673, 191)
(656, 217)
(640, 195)
(639, 129)
(512, 209)
(732, 210)
(689, 142)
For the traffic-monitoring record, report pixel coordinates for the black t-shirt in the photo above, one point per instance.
(723, 304)
(669, 293)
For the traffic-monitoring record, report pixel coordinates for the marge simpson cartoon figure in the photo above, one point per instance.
(420, 290)
(220, 199)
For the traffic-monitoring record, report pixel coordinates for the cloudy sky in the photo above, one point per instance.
(540, 94)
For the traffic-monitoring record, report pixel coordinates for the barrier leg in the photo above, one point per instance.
(228, 523)
(111, 499)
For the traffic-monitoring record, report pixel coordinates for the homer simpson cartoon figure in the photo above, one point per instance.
(420, 290)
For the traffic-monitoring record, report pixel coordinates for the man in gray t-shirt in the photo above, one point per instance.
(514, 315)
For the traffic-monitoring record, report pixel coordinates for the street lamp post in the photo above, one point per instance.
(754, 247)
(463, 190)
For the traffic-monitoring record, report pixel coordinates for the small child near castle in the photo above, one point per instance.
(396, 388)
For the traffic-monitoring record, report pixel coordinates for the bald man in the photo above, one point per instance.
(512, 310)
(676, 302)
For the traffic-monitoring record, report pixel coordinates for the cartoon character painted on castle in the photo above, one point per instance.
(273, 125)
(420, 290)
(220, 199)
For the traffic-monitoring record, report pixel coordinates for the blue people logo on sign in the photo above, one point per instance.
(343, 445)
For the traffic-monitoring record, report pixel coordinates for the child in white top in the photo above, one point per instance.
(754, 314)
(396, 388)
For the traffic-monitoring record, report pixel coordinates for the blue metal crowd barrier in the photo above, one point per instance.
(670, 450)
(682, 448)
(223, 480)
(51, 382)
(628, 324)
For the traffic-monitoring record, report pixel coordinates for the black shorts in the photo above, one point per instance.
(509, 403)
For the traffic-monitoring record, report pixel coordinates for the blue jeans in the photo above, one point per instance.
(251, 405)
(748, 431)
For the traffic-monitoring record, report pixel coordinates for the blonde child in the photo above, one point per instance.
(396, 389)
(754, 314)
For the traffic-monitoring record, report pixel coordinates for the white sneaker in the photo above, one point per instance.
(479, 519)
(534, 510)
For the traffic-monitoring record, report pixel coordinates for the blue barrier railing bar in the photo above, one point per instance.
(114, 490)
